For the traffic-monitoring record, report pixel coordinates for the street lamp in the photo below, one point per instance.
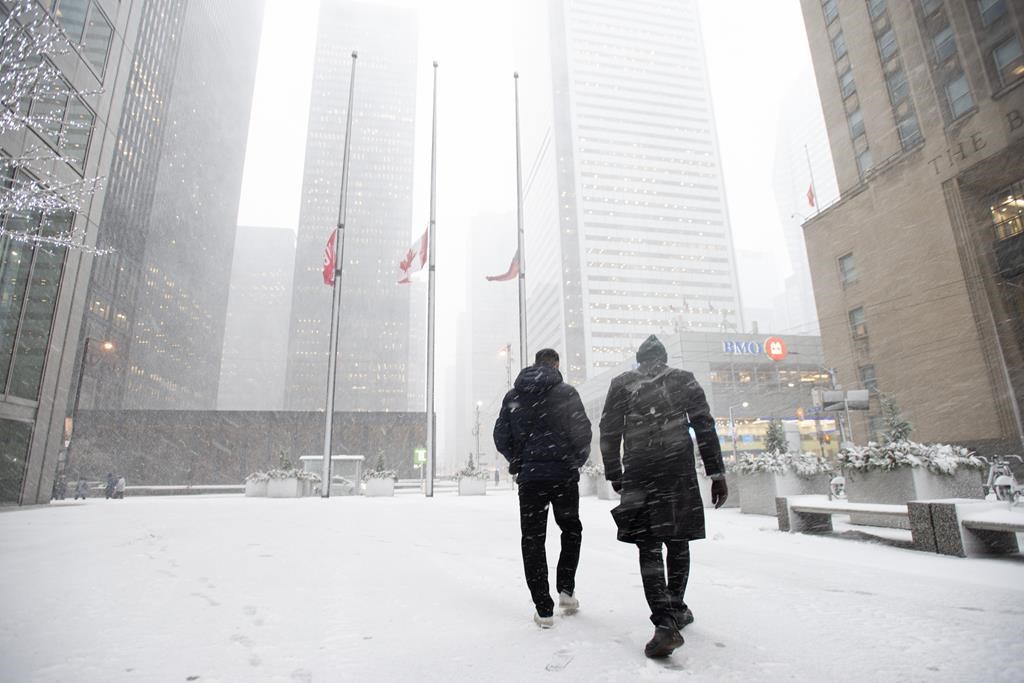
(105, 346)
(732, 427)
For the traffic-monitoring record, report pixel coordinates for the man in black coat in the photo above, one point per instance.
(650, 411)
(543, 432)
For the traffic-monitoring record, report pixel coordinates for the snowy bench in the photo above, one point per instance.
(813, 514)
(965, 527)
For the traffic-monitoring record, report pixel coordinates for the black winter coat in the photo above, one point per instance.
(660, 496)
(542, 429)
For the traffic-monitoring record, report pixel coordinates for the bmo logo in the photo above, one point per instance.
(773, 347)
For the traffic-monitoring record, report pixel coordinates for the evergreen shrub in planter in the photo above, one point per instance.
(472, 480)
(380, 481)
(765, 476)
(590, 476)
(256, 484)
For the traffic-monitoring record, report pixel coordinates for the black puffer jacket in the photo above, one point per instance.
(542, 429)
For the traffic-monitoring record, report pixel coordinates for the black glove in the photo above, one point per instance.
(514, 467)
(617, 486)
(719, 492)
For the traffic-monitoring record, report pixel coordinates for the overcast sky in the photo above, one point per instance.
(755, 50)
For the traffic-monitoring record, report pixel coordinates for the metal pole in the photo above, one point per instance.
(732, 430)
(339, 254)
(521, 237)
(842, 428)
(476, 432)
(508, 365)
(431, 433)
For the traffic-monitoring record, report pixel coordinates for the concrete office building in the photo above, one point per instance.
(374, 358)
(42, 287)
(625, 211)
(255, 354)
(918, 269)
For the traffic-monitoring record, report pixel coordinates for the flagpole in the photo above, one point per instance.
(339, 252)
(520, 236)
(431, 420)
(814, 190)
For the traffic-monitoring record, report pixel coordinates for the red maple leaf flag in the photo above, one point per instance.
(510, 274)
(810, 195)
(329, 260)
(414, 260)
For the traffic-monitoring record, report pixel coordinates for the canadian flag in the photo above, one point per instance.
(510, 274)
(414, 259)
(810, 195)
(329, 260)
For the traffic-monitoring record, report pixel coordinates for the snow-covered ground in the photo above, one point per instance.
(226, 588)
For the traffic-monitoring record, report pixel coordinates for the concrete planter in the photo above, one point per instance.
(904, 484)
(284, 488)
(761, 489)
(733, 501)
(588, 485)
(472, 487)
(379, 488)
(256, 489)
(605, 490)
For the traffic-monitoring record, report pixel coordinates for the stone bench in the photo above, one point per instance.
(813, 514)
(967, 528)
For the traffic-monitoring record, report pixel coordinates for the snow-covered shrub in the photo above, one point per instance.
(257, 477)
(380, 472)
(801, 464)
(471, 471)
(936, 458)
(589, 469)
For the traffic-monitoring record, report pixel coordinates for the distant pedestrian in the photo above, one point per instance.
(81, 489)
(543, 432)
(60, 487)
(649, 411)
(111, 483)
(119, 488)
(497, 476)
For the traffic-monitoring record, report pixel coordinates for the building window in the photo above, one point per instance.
(858, 326)
(96, 43)
(847, 269)
(856, 122)
(1009, 60)
(876, 8)
(864, 162)
(868, 379)
(70, 15)
(839, 46)
(76, 133)
(887, 45)
(1007, 211)
(958, 96)
(830, 9)
(990, 10)
(909, 130)
(898, 88)
(930, 7)
(944, 44)
(846, 84)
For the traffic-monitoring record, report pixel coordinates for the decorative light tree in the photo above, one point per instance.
(34, 94)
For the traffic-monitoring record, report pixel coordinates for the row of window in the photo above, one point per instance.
(907, 126)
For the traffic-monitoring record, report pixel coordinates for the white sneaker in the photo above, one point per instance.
(543, 622)
(568, 603)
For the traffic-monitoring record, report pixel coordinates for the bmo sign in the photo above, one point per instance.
(773, 347)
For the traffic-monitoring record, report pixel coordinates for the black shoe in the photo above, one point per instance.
(686, 619)
(664, 642)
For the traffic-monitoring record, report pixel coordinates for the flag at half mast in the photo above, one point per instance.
(414, 259)
(510, 274)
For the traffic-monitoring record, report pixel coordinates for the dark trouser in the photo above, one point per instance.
(665, 600)
(534, 498)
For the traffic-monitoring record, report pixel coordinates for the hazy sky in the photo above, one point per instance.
(755, 50)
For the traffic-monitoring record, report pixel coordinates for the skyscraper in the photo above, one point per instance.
(374, 358)
(172, 206)
(255, 353)
(627, 227)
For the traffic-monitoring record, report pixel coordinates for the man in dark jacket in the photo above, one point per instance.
(543, 432)
(650, 411)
